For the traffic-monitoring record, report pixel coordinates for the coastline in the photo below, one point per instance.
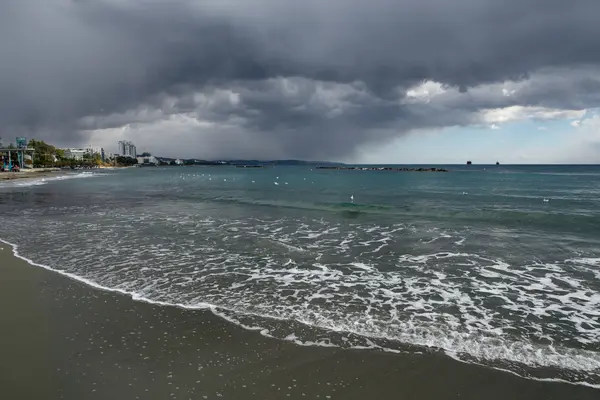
(63, 339)
(51, 172)
(31, 173)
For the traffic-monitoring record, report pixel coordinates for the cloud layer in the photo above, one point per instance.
(277, 78)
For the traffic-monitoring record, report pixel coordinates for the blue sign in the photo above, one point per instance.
(21, 143)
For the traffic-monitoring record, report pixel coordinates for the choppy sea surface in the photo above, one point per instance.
(495, 265)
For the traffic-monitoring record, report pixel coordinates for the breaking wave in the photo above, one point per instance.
(318, 282)
(25, 182)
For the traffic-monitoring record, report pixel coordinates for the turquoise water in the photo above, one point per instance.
(498, 265)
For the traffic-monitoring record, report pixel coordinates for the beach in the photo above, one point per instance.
(62, 339)
(31, 174)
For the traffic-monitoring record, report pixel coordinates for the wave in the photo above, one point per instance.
(25, 182)
(335, 207)
(547, 218)
(500, 352)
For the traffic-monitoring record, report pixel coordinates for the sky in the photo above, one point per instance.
(377, 81)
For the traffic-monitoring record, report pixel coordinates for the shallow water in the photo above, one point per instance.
(498, 266)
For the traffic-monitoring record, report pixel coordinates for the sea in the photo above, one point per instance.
(492, 265)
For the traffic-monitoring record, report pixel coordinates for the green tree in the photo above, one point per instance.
(97, 159)
(43, 153)
(126, 161)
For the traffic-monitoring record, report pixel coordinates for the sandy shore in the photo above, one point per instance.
(60, 339)
(28, 174)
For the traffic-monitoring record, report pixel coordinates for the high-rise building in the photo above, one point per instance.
(127, 149)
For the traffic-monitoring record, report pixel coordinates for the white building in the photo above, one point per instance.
(94, 150)
(178, 162)
(150, 160)
(127, 149)
(28, 160)
(76, 154)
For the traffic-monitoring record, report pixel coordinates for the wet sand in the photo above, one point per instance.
(29, 174)
(60, 339)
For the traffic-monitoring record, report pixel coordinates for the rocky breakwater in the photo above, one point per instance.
(397, 169)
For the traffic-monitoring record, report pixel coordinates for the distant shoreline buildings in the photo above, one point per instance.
(80, 153)
(127, 149)
(23, 153)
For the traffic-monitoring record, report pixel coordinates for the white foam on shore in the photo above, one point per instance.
(134, 296)
(591, 265)
(354, 296)
(25, 182)
(452, 346)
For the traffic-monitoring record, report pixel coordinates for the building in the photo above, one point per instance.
(79, 153)
(148, 161)
(15, 157)
(75, 154)
(178, 162)
(127, 149)
(94, 150)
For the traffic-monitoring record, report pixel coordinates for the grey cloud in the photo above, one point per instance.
(71, 65)
(303, 118)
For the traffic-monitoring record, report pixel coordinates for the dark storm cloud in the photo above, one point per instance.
(68, 65)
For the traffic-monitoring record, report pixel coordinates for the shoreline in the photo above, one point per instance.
(64, 339)
(51, 172)
(31, 173)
